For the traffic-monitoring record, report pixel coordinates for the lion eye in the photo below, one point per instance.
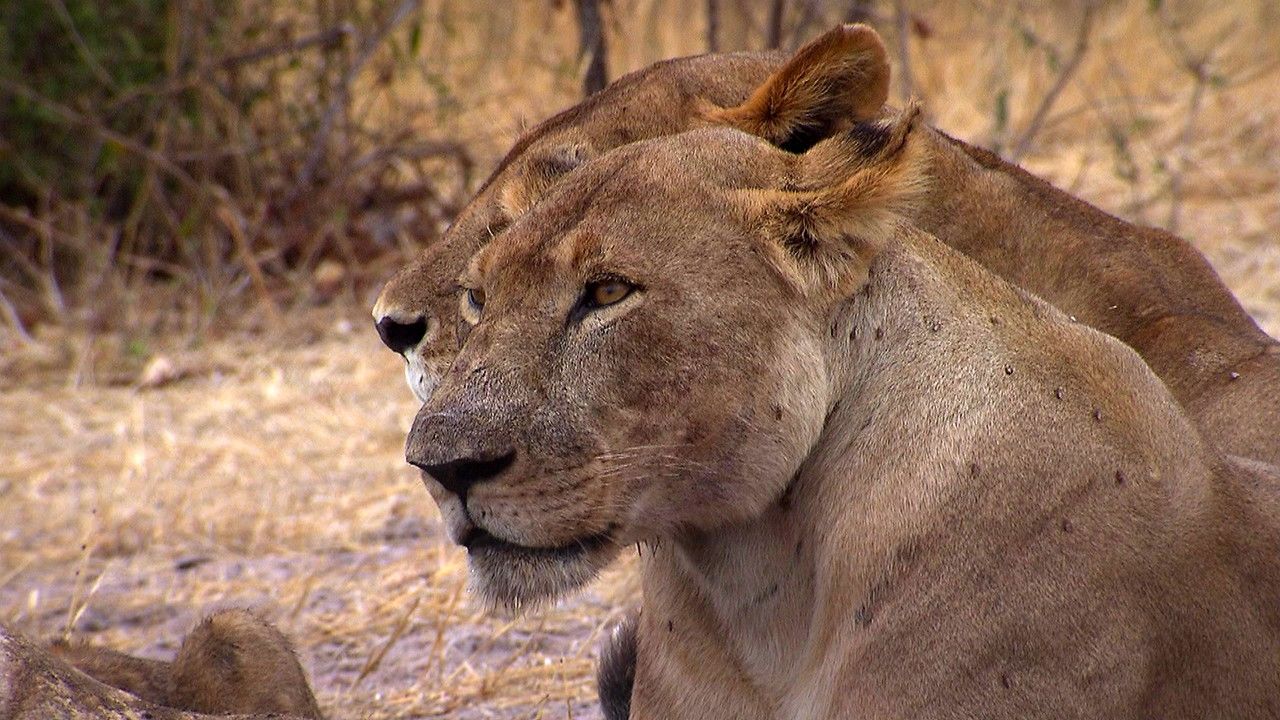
(472, 305)
(608, 292)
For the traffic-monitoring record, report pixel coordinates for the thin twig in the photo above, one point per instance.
(19, 328)
(396, 633)
(1184, 150)
(1047, 102)
(71, 117)
(235, 224)
(325, 40)
(320, 143)
(902, 25)
(99, 72)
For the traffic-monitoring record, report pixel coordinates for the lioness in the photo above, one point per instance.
(881, 481)
(1147, 287)
(232, 662)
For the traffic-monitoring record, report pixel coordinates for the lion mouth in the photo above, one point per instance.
(513, 576)
(480, 541)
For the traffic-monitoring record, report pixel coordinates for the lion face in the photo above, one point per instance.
(643, 354)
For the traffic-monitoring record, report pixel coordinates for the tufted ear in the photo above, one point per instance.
(838, 79)
(858, 186)
(538, 174)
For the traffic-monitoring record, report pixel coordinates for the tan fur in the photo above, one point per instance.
(1152, 290)
(233, 662)
(879, 481)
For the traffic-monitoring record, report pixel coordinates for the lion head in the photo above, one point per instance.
(642, 352)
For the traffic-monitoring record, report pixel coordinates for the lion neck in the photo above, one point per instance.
(868, 488)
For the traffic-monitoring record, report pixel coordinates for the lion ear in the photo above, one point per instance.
(861, 185)
(838, 79)
(540, 173)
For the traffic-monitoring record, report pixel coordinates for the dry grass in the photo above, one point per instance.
(266, 467)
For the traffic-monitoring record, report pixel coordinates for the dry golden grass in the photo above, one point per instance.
(265, 468)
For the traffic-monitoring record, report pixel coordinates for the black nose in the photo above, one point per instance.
(399, 335)
(457, 476)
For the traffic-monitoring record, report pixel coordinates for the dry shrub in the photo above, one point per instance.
(196, 149)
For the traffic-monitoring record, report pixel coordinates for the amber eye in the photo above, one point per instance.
(607, 292)
(472, 305)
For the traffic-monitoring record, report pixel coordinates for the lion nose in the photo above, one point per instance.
(458, 476)
(400, 335)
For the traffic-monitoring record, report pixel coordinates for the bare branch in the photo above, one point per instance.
(902, 25)
(341, 98)
(592, 47)
(713, 25)
(1047, 102)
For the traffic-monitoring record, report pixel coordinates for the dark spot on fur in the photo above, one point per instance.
(777, 411)
(1097, 414)
(1066, 525)
(871, 137)
(805, 137)
(784, 500)
(1060, 392)
(1008, 369)
(767, 593)
(835, 408)
(1119, 478)
(862, 616)
(974, 470)
(1005, 681)
(835, 327)
(853, 334)
(799, 547)
(879, 333)
(671, 626)
(995, 320)
(802, 244)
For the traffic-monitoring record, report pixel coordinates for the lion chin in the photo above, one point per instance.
(515, 578)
